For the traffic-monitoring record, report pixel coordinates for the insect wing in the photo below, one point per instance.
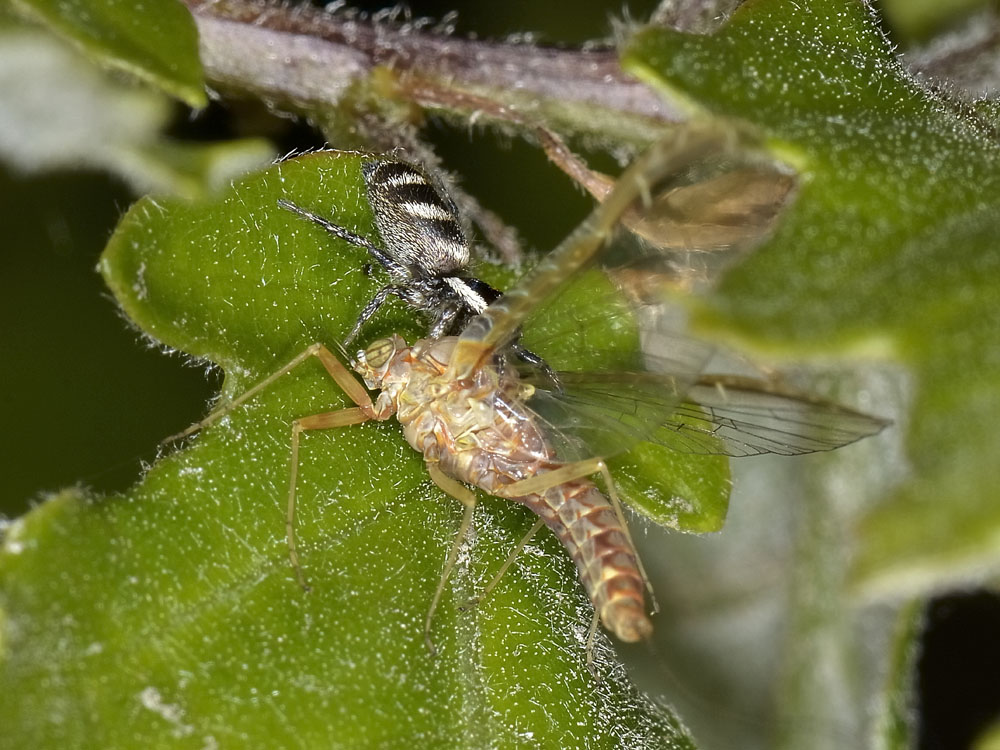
(603, 414)
(723, 207)
(607, 413)
(417, 220)
(746, 417)
(617, 402)
(719, 211)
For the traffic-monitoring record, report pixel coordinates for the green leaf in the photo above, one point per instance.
(72, 115)
(170, 615)
(155, 41)
(889, 250)
(925, 18)
(697, 495)
(894, 729)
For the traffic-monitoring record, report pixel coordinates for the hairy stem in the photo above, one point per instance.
(311, 60)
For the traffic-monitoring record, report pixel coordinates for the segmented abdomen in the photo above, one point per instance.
(494, 451)
(588, 527)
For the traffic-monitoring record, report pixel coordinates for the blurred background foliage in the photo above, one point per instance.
(85, 400)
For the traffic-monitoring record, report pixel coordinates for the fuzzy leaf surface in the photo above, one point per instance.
(889, 251)
(171, 614)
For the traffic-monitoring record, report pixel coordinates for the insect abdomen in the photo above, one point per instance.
(589, 528)
(499, 449)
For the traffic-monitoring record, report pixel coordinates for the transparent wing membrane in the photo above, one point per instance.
(605, 413)
(614, 403)
(747, 417)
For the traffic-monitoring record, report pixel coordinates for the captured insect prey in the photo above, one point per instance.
(478, 423)
(425, 253)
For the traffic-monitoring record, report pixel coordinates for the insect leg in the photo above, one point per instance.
(507, 563)
(343, 377)
(390, 265)
(443, 321)
(347, 382)
(335, 229)
(525, 355)
(339, 418)
(468, 498)
(617, 505)
(589, 648)
(545, 480)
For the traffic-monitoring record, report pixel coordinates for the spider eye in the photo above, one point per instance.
(379, 352)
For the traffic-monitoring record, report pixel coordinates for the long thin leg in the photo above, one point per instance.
(525, 355)
(347, 381)
(335, 229)
(507, 563)
(468, 498)
(394, 267)
(617, 505)
(339, 418)
(548, 479)
(364, 411)
(344, 378)
(446, 316)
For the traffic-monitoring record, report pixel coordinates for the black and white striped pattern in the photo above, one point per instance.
(417, 220)
(474, 293)
(425, 251)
